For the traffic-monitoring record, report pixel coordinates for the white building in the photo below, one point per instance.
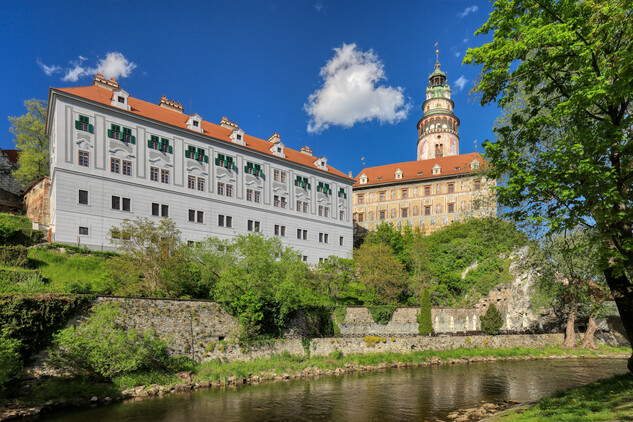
(115, 157)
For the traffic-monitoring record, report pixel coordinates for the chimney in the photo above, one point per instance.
(306, 150)
(170, 105)
(228, 124)
(275, 138)
(110, 84)
(350, 174)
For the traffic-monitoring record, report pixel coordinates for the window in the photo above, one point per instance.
(382, 215)
(127, 168)
(477, 184)
(196, 153)
(382, 196)
(302, 206)
(155, 209)
(162, 145)
(83, 231)
(302, 182)
(196, 123)
(84, 124)
(84, 158)
(164, 176)
(200, 216)
(451, 207)
(405, 193)
(253, 226)
(340, 241)
(224, 161)
(341, 215)
(284, 203)
(280, 230)
(192, 215)
(427, 210)
(342, 193)
(258, 196)
(126, 204)
(324, 188)
(83, 197)
(221, 186)
(451, 188)
(279, 201)
(302, 234)
(323, 238)
(225, 221)
(405, 212)
(249, 195)
(115, 165)
(254, 169)
(304, 258)
(116, 202)
(320, 212)
(427, 190)
(124, 135)
(119, 203)
(360, 199)
(153, 174)
(253, 195)
(476, 205)
(201, 183)
(164, 210)
(196, 216)
(229, 190)
(305, 207)
(361, 217)
(191, 182)
(326, 211)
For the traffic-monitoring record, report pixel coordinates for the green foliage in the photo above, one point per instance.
(336, 278)
(306, 342)
(33, 319)
(258, 280)
(11, 361)
(425, 322)
(13, 255)
(17, 230)
(102, 348)
(381, 314)
(382, 275)
(491, 321)
(31, 139)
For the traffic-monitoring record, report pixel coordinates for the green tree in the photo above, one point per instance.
(425, 321)
(336, 279)
(491, 321)
(31, 139)
(154, 261)
(382, 274)
(572, 165)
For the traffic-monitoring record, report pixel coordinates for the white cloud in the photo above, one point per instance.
(115, 65)
(49, 70)
(318, 6)
(350, 95)
(467, 11)
(461, 82)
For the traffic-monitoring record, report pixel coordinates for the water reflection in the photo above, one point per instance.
(394, 395)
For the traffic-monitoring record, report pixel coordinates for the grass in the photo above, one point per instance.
(605, 400)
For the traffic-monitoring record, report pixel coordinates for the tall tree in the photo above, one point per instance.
(572, 165)
(31, 139)
(382, 274)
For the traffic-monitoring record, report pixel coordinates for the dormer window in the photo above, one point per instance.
(474, 164)
(363, 179)
(237, 137)
(194, 122)
(398, 174)
(321, 163)
(119, 99)
(437, 169)
(278, 149)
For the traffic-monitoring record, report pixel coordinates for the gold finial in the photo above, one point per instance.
(475, 145)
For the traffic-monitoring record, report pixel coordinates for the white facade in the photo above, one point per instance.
(98, 180)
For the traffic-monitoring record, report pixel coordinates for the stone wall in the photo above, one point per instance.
(37, 200)
(188, 324)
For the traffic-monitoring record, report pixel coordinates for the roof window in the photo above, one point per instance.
(195, 122)
(119, 99)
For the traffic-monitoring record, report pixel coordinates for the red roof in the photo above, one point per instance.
(12, 154)
(177, 119)
(418, 170)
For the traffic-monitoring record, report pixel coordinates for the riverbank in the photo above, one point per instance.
(50, 394)
(605, 400)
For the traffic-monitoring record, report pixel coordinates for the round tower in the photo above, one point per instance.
(437, 129)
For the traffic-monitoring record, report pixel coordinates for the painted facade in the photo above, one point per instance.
(115, 157)
(440, 187)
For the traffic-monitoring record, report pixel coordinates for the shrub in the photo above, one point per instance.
(11, 362)
(381, 314)
(14, 255)
(492, 321)
(102, 348)
(425, 321)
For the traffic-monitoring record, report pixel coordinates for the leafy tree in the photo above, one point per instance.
(154, 260)
(381, 272)
(425, 321)
(102, 348)
(491, 321)
(31, 139)
(572, 165)
(336, 279)
(11, 361)
(258, 280)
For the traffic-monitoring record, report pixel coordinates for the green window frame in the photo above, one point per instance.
(83, 124)
(302, 182)
(342, 193)
(225, 161)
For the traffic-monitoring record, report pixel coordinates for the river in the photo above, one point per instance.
(427, 393)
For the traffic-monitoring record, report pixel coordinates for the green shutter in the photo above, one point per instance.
(110, 133)
(171, 150)
(206, 159)
(91, 129)
(133, 140)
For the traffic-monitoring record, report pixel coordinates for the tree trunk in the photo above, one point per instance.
(570, 331)
(622, 292)
(588, 340)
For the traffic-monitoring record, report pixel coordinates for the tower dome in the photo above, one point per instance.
(438, 128)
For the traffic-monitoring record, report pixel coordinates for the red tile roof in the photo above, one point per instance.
(419, 170)
(164, 115)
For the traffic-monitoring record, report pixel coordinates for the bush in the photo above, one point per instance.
(14, 255)
(381, 314)
(102, 348)
(16, 230)
(425, 321)
(11, 362)
(492, 321)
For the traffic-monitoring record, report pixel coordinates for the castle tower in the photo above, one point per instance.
(437, 129)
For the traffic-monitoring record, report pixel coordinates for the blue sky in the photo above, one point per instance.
(346, 78)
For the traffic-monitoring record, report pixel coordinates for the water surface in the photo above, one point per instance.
(427, 393)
